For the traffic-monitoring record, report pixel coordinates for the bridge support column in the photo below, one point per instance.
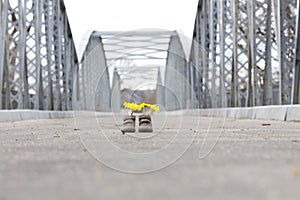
(160, 91)
(94, 81)
(116, 93)
(176, 80)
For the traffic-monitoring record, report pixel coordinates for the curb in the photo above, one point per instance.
(17, 115)
(281, 113)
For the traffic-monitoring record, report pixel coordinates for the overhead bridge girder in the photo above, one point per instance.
(141, 59)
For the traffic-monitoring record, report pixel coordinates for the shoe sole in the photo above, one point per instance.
(145, 129)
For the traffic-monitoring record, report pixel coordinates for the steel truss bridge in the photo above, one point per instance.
(242, 54)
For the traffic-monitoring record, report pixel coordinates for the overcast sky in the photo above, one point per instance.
(125, 15)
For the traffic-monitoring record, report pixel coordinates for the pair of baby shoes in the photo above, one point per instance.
(145, 124)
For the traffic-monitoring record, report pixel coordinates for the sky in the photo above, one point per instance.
(126, 15)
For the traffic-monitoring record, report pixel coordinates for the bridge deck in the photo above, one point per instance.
(56, 159)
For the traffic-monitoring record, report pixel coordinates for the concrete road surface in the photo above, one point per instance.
(186, 157)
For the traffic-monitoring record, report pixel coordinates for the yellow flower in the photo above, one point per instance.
(155, 108)
(131, 106)
(135, 107)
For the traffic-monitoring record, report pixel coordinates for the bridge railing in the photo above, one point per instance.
(38, 60)
(246, 53)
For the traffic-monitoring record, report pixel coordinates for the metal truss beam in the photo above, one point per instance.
(245, 53)
(37, 55)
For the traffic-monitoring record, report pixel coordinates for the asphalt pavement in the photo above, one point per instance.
(186, 157)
